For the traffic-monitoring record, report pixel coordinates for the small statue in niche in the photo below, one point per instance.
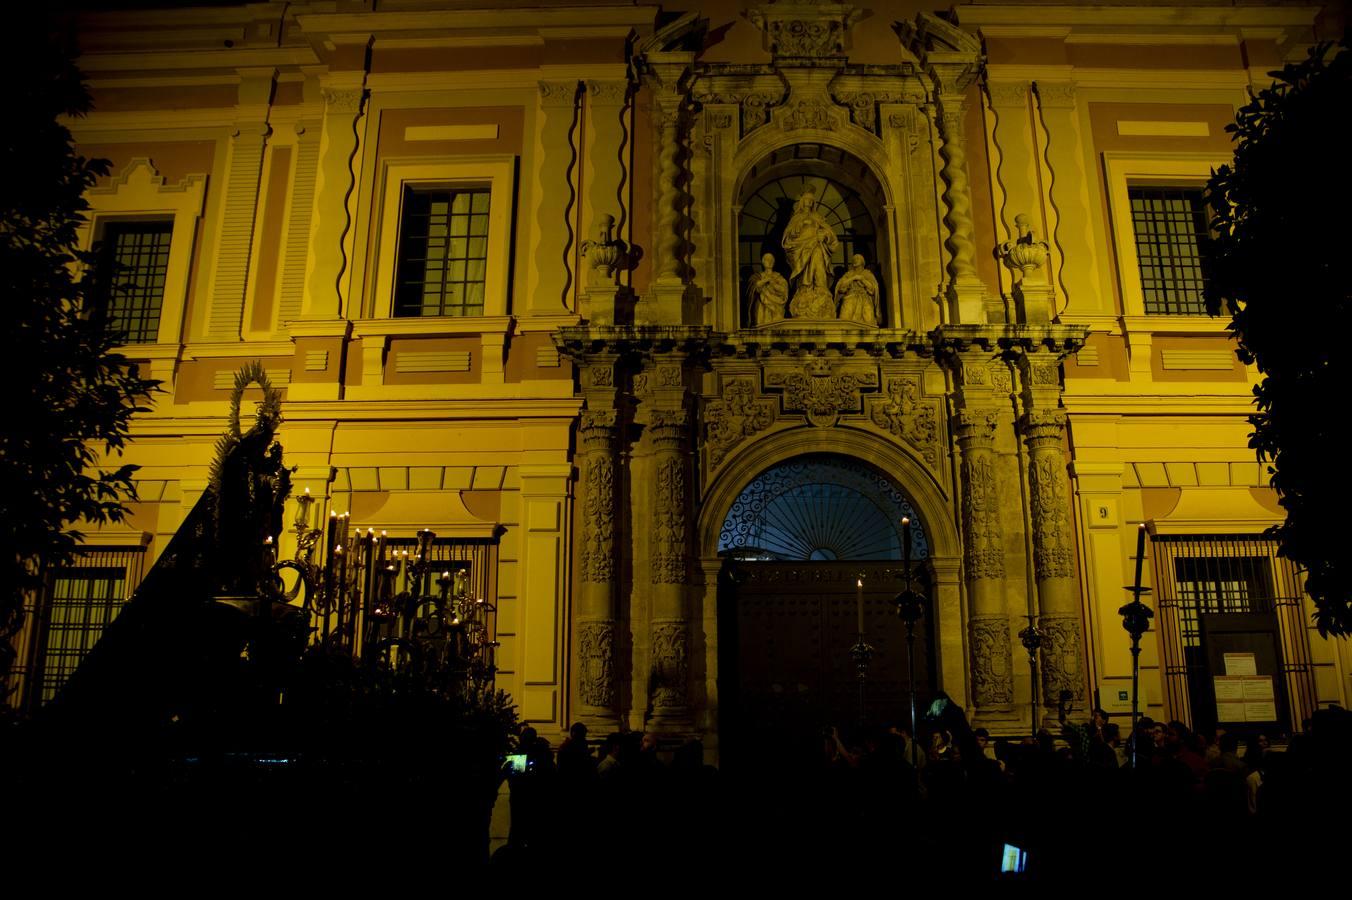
(768, 293)
(809, 243)
(857, 294)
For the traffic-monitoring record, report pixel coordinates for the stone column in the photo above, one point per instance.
(984, 563)
(595, 621)
(1043, 427)
(669, 568)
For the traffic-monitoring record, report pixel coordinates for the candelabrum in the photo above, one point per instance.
(380, 603)
(1031, 639)
(1136, 618)
(862, 651)
(910, 605)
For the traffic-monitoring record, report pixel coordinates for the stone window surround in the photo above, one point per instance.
(1124, 169)
(139, 191)
(497, 172)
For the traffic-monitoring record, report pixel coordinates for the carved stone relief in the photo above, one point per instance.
(738, 414)
(992, 666)
(819, 394)
(598, 524)
(807, 112)
(1053, 554)
(985, 551)
(902, 412)
(596, 659)
(1061, 668)
(668, 553)
(670, 663)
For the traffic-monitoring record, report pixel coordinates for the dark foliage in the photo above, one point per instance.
(1280, 268)
(68, 397)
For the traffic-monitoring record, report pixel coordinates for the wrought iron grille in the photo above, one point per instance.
(80, 600)
(1170, 225)
(477, 557)
(443, 253)
(1207, 575)
(133, 262)
(820, 507)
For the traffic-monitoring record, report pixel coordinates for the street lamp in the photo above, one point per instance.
(1031, 639)
(910, 608)
(1136, 618)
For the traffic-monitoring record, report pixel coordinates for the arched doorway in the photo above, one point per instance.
(811, 548)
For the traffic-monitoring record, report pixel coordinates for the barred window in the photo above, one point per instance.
(443, 252)
(80, 601)
(1170, 226)
(1229, 594)
(133, 260)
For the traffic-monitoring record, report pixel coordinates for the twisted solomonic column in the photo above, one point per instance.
(668, 231)
(957, 195)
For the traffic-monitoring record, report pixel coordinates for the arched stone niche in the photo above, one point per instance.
(850, 197)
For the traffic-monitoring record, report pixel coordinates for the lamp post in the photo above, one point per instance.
(1136, 618)
(910, 608)
(1031, 639)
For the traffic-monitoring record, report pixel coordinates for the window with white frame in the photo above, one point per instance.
(1160, 229)
(443, 247)
(143, 229)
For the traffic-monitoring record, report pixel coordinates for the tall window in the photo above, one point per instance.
(133, 261)
(1170, 227)
(443, 252)
(1230, 606)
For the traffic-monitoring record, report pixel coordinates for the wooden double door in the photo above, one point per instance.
(786, 673)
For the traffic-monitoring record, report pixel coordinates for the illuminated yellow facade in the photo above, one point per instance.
(603, 398)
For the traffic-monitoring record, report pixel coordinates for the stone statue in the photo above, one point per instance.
(857, 293)
(768, 292)
(809, 243)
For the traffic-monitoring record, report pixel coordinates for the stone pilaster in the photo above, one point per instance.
(551, 276)
(671, 297)
(325, 298)
(244, 169)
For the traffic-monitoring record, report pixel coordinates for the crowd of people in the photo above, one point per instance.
(950, 804)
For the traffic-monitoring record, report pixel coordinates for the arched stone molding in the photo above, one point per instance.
(908, 473)
(904, 300)
(898, 465)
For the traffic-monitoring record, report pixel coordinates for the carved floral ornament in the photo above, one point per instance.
(596, 656)
(670, 663)
(668, 534)
(819, 393)
(805, 29)
(558, 93)
(991, 662)
(740, 413)
(985, 557)
(1053, 553)
(903, 413)
(1061, 666)
(598, 535)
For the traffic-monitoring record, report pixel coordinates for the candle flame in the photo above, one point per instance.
(859, 582)
(906, 520)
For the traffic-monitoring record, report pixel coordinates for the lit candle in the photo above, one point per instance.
(906, 544)
(1140, 554)
(859, 601)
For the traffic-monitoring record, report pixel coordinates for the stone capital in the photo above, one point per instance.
(558, 94)
(607, 92)
(977, 427)
(1043, 427)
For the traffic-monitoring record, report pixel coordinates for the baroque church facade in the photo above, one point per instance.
(667, 319)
